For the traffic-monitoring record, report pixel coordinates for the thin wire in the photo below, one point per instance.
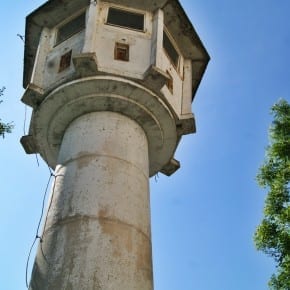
(36, 156)
(40, 220)
(37, 231)
(43, 204)
(45, 158)
(52, 195)
(27, 262)
(42, 252)
(25, 117)
(50, 171)
(156, 177)
(22, 37)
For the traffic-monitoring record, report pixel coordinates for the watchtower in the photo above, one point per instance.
(111, 85)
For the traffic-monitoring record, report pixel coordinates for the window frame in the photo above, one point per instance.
(173, 44)
(65, 61)
(122, 52)
(129, 11)
(64, 23)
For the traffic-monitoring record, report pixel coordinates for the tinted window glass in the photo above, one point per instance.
(126, 19)
(70, 28)
(170, 49)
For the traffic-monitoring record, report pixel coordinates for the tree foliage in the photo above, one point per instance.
(4, 127)
(273, 234)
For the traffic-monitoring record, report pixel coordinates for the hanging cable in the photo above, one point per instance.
(37, 236)
(36, 156)
(24, 123)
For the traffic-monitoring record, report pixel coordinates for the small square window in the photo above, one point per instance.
(122, 51)
(65, 61)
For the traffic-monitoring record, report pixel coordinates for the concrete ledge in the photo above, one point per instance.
(104, 93)
(28, 144)
(186, 125)
(86, 64)
(155, 78)
(33, 96)
(170, 167)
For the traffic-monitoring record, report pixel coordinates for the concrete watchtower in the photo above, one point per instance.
(111, 85)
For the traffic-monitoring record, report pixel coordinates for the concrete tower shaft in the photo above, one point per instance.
(97, 234)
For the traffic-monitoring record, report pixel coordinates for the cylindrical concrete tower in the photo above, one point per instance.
(111, 85)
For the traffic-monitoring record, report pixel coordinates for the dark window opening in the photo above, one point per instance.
(169, 83)
(65, 61)
(122, 51)
(126, 19)
(70, 28)
(170, 49)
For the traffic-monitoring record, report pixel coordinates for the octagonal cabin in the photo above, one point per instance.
(150, 42)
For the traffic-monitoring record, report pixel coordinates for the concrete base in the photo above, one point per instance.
(97, 233)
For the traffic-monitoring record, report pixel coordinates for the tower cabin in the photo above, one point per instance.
(149, 43)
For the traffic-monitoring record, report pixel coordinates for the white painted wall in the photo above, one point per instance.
(51, 74)
(139, 43)
(174, 98)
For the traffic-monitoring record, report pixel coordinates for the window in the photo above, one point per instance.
(65, 61)
(70, 28)
(122, 51)
(125, 19)
(170, 50)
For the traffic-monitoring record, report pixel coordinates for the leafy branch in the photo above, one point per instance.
(273, 234)
(4, 127)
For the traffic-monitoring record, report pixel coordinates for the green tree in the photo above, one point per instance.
(273, 234)
(4, 127)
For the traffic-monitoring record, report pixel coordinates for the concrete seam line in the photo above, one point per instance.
(76, 218)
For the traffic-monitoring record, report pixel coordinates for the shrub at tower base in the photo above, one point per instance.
(273, 234)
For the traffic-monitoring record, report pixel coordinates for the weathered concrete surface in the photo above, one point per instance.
(97, 233)
(105, 125)
(104, 93)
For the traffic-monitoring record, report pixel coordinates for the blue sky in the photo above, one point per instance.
(204, 216)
